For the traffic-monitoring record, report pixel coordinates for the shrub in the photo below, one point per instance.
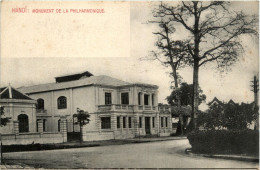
(224, 141)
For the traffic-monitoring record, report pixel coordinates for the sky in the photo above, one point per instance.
(38, 47)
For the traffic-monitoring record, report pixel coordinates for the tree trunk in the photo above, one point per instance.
(195, 97)
(175, 76)
(195, 101)
(81, 136)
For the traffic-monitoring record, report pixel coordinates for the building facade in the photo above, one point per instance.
(19, 108)
(117, 109)
(23, 125)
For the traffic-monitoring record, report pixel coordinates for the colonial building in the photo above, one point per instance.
(117, 109)
(19, 108)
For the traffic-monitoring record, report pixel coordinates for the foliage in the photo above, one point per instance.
(230, 116)
(213, 119)
(4, 120)
(82, 117)
(239, 116)
(185, 91)
(225, 141)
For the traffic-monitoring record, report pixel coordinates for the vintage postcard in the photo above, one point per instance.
(129, 84)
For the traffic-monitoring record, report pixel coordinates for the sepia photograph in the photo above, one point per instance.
(129, 84)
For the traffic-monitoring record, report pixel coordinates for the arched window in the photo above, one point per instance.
(40, 104)
(23, 123)
(62, 102)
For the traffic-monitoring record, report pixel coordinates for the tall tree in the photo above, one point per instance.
(171, 53)
(213, 34)
(82, 119)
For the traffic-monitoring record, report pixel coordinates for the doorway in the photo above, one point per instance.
(23, 123)
(147, 126)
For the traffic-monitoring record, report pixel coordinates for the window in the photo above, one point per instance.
(124, 98)
(124, 122)
(139, 98)
(140, 122)
(146, 99)
(129, 122)
(105, 123)
(44, 125)
(108, 98)
(40, 104)
(161, 121)
(59, 125)
(153, 122)
(37, 126)
(153, 99)
(62, 102)
(118, 121)
(166, 122)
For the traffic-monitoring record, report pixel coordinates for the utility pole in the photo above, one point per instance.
(255, 89)
(1, 153)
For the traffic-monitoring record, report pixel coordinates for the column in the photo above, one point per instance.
(142, 98)
(71, 102)
(143, 125)
(98, 122)
(136, 124)
(126, 121)
(52, 111)
(135, 96)
(164, 124)
(158, 123)
(151, 125)
(113, 122)
(121, 123)
(150, 100)
(63, 128)
(16, 127)
(40, 126)
(156, 100)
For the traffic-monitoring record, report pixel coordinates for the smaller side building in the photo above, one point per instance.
(20, 108)
(23, 127)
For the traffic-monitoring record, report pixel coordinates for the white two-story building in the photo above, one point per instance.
(117, 109)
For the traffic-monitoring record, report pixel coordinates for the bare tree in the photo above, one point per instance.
(213, 34)
(170, 52)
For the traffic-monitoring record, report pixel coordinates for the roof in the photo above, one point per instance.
(215, 100)
(12, 93)
(145, 85)
(72, 77)
(231, 102)
(93, 80)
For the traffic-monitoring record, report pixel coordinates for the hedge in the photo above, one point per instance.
(225, 141)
